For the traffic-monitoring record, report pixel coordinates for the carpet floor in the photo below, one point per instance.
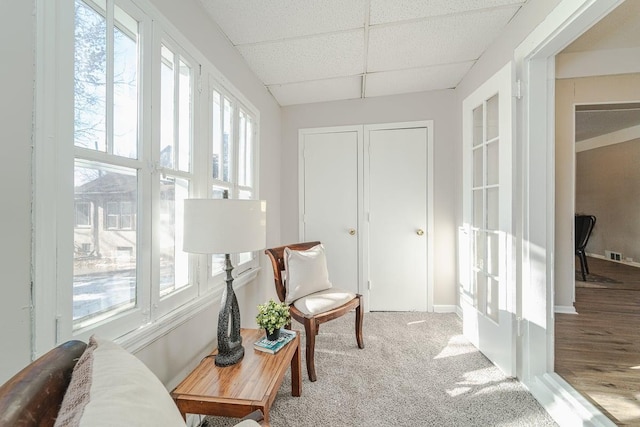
(416, 370)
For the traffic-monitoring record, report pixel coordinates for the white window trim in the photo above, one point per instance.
(54, 80)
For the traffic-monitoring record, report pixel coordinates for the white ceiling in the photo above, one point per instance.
(321, 50)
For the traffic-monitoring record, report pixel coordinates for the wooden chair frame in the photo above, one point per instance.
(311, 323)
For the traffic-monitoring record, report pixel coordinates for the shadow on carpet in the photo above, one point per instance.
(416, 370)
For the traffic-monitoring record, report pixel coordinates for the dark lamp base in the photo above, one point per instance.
(231, 358)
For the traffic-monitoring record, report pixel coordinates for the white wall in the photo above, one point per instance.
(16, 108)
(438, 106)
(174, 354)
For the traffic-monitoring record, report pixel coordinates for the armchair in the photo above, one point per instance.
(307, 311)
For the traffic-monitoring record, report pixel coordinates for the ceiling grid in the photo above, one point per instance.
(321, 50)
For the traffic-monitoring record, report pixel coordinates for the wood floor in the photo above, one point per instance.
(598, 350)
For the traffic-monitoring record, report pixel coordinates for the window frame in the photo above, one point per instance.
(53, 201)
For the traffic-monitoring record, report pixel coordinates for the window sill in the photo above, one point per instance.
(147, 334)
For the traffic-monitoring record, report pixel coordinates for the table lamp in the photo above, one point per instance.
(225, 226)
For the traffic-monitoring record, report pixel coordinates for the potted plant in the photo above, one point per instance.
(272, 316)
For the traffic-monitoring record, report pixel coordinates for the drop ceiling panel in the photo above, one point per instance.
(317, 91)
(441, 40)
(309, 58)
(416, 80)
(383, 11)
(250, 21)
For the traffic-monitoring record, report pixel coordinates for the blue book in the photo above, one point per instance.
(273, 347)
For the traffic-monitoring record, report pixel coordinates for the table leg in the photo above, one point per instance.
(296, 372)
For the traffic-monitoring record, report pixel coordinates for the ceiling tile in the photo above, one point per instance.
(441, 40)
(383, 11)
(416, 79)
(317, 91)
(310, 58)
(250, 21)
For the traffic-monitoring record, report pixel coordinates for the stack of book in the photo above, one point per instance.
(275, 346)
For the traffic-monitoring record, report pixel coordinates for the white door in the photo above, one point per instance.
(397, 210)
(329, 170)
(487, 288)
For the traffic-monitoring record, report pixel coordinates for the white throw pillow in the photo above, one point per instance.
(306, 272)
(122, 391)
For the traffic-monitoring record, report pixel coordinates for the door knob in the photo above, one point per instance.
(352, 231)
(420, 232)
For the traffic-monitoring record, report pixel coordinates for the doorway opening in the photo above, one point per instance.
(597, 132)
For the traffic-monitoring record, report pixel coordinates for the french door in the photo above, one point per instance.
(486, 259)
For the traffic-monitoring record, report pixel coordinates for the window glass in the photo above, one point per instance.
(221, 161)
(184, 118)
(226, 140)
(125, 91)
(493, 117)
(174, 263)
(90, 78)
(105, 81)
(167, 109)
(104, 278)
(477, 125)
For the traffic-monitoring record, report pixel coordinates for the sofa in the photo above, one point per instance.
(94, 384)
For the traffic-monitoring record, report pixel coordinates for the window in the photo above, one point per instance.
(107, 168)
(83, 214)
(120, 214)
(132, 156)
(232, 162)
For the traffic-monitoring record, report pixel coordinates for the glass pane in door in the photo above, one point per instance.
(493, 124)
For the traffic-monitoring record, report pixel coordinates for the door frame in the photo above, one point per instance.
(535, 182)
(363, 223)
(428, 125)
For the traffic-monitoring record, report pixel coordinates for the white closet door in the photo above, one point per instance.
(397, 201)
(329, 198)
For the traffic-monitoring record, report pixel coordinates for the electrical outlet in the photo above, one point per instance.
(615, 256)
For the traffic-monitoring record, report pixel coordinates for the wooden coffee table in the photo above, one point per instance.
(237, 390)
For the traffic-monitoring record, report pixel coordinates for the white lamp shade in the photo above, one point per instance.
(224, 226)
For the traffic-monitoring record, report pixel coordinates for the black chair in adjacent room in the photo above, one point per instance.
(583, 227)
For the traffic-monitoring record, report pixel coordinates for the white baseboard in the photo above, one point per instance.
(565, 309)
(444, 308)
(604, 258)
(565, 405)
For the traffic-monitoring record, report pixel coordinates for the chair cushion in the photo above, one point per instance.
(306, 272)
(320, 302)
(111, 387)
(247, 423)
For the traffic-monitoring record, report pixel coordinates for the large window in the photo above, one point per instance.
(107, 171)
(140, 120)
